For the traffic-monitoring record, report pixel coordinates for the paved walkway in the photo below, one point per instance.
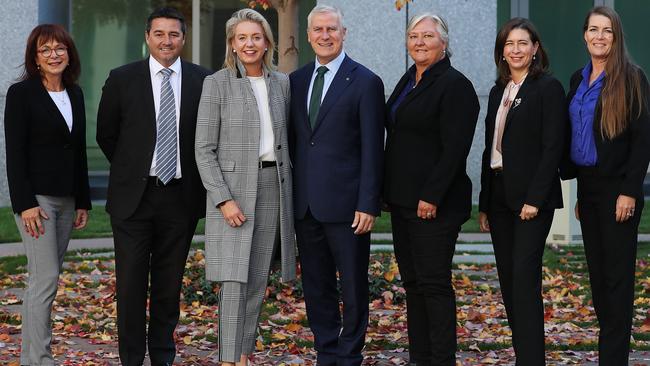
(466, 243)
(11, 249)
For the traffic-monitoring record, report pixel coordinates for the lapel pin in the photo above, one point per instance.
(347, 79)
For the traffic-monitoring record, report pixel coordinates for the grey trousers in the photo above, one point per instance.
(44, 261)
(240, 303)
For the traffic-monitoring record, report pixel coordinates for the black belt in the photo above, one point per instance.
(158, 183)
(266, 164)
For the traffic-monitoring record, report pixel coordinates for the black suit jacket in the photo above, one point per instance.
(627, 155)
(43, 155)
(126, 133)
(532, 145)
(429, 140)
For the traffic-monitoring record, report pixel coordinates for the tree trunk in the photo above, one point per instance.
(287, 34)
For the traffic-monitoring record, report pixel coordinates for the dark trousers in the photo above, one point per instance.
(518, 248)
(424, 250)
(324, 249)
(610, 248)
(151, 250)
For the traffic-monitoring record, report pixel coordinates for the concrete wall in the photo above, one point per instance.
(376, 38)
(17, 19)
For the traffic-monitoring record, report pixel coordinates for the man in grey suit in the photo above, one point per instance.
(145, 127)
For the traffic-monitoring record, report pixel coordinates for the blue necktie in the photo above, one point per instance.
(166, 131)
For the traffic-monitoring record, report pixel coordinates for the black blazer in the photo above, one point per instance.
(126, 133)
(429, 140)
(43, 156)
(627, 155)
(532, 145)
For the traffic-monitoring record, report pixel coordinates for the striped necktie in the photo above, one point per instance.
(166, 131)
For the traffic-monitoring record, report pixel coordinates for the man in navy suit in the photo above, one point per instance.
(336, 138)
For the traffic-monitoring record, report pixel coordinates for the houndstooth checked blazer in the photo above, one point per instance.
(227, 155)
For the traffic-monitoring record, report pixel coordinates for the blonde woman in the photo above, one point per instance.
(243, 159)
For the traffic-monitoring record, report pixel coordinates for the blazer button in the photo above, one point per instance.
(312, 143)
(144, 179)
(282, 180)
(66, 146)
(279, 147)
(281, 163)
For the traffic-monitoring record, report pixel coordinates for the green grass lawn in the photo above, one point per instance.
(99, 224)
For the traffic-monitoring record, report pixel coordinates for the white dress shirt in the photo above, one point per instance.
(156, 83)
(62, 101)
(266, 124)
(333, 67)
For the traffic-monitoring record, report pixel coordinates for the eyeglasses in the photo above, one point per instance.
(47, 52)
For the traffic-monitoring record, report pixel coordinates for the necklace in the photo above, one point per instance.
(60, 96)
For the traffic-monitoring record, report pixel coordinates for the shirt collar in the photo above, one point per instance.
(155, 66)
(413, 68)
(333, 66)
(586, 73)
(512, 83)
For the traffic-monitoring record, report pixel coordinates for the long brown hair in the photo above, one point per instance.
(539, 64)
(42, 34)
(622, 94)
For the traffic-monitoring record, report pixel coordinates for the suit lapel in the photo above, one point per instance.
(343, 78)
(394, 95)
(188, 88)
(149, 109)
(52, 109)
(276, 119)
(77, 111)
(493, 107)
(303, 89)
(430, 77)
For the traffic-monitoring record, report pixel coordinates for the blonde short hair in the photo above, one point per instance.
(441, 27)
(248, 15)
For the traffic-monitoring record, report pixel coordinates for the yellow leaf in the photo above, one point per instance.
(293, 327)
(279, 336)
(389, 276)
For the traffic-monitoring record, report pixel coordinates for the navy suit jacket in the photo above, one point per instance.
(337, 166)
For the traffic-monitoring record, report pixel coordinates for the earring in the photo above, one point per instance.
(266, 49)
(233, 51)
(503, 58)
(38, 66)
(534, 57)
(444, 52)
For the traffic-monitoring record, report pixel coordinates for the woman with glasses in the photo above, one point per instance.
(609, 154)
(47, 172)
